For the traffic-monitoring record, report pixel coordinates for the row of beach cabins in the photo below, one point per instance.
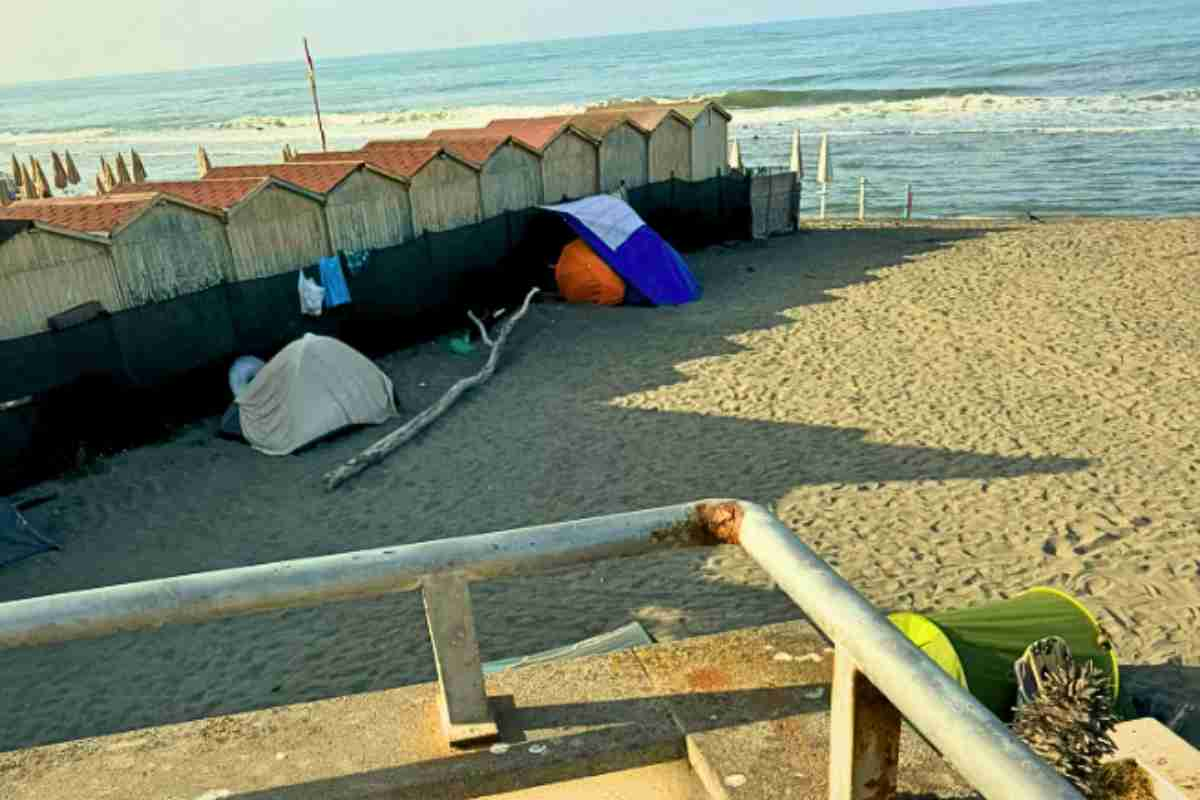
(148, 242)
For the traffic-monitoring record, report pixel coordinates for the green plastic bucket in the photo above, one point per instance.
(977, 646)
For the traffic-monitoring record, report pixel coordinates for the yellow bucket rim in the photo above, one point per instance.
(936, 634)
(1101, 638)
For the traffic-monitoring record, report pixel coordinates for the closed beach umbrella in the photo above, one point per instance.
(123, 175)
(797, 165)
(27, 188)
(39, 179)
(72, 173)
(60, 172)
(735, 155)
(16, 172)
(287, 154)
(106, 172)
(202, 159)
(824, 162)
(100, 187)
(139, 169)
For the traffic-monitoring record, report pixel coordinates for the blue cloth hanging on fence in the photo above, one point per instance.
(336, 291)
(356, 260)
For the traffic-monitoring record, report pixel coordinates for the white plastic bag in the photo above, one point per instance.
(312, 296)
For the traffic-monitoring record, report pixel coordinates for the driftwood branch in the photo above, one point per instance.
(483, 334)
(394, 440)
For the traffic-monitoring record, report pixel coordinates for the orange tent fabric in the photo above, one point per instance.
(583, 277)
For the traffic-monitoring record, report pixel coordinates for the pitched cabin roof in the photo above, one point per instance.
(400, 157)
(596, 124)
(651, 117)
(320, 177)
(691, 109)
(219, 193)
(93, 215)
(536, 133)
(474, 146)
(223, 194)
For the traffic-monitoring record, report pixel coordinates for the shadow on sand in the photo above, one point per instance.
(542, 442)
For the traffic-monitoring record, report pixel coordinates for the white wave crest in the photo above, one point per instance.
(415, 118)
(986, 104)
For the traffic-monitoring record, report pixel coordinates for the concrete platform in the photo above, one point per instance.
(743, 714)
(1173, 764)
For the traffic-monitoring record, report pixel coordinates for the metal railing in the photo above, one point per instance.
(879, 676)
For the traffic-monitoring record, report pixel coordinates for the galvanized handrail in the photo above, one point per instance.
(969, 736)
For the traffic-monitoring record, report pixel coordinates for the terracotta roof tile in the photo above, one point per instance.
(399, 158)
(222, 194)
(320, 177)
(475, 146)
(460, 133)
(536, 133)
(83, 214)
(691, 109)
(599, 123)
(596, 124)
(651, 117)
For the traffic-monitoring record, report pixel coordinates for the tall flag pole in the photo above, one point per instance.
(312, 82)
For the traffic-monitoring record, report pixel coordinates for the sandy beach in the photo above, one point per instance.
(947, 412)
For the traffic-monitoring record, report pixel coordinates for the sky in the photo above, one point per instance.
(81, 38)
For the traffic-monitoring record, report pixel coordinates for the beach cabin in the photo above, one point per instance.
(273, 226)
(623, 150)
(122, 251)
(670, 142)
(443, 189)
(709, 132)
(710, 138)
(570, 157)
(510, 171)
(443, 186)
(366, 207)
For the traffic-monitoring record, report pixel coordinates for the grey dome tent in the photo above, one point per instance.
(312, 388)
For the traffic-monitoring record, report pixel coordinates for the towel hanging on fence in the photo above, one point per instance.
(356, 260)
(312, 296)
(334, 281)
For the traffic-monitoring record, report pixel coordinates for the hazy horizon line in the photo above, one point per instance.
(506, 43)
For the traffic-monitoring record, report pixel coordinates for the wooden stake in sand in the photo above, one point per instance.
(394, 440)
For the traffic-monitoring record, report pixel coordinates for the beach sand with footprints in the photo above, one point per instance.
(947, 412)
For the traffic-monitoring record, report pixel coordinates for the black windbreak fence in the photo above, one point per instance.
(90, 382)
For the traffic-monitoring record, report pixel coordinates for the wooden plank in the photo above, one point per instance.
(463, 704)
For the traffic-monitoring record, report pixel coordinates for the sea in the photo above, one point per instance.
(1060, 107)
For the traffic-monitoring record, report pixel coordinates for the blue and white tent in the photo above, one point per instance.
(654, 273)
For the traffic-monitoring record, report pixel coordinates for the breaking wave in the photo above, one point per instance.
(443, 117)
(776, 98)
